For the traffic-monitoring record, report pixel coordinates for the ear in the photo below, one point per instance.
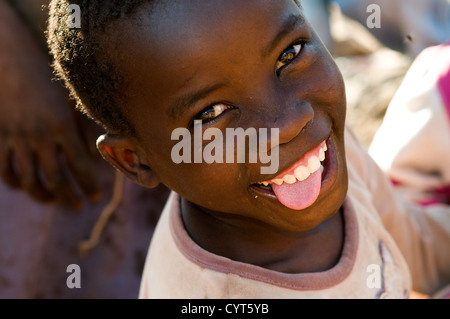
(121, 152)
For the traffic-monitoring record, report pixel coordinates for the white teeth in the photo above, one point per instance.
(290, 179)
(313, 164)
(322, 154)
(277, 181)
(302, 173)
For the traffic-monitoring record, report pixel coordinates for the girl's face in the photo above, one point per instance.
(238, 64)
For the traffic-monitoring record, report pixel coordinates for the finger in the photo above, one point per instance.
(27, 171)
(7, 172)
(38, 189)
(81, 167)
(56, 178)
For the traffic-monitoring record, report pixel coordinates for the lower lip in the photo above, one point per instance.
(329, 174)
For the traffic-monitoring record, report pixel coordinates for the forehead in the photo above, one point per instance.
(177, 44)
(173, 26)
(197, 16)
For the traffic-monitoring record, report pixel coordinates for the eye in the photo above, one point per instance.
(212, 112)
(289, 55)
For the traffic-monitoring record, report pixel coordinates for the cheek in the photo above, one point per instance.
(215, 184)
(338, 85)
(177, 164)
(320, 81)
(333, 93)
(340, 101)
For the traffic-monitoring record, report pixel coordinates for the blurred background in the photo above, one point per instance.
(375, 60)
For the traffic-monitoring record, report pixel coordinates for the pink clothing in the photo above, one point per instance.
(391, 247)
(413, 142)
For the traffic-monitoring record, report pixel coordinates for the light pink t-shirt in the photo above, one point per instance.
(386, 240)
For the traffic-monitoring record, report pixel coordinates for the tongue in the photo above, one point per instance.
(299, 195)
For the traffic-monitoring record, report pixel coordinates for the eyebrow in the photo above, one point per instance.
(290, 24)
(181, 104)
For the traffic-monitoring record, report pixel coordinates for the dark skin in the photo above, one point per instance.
(188, 46)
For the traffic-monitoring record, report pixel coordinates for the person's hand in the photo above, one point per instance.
(41, 149)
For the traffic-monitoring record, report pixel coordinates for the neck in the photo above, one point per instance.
(256, 243)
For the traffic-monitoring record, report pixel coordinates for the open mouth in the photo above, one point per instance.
(299, 186)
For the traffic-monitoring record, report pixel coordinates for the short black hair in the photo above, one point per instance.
(92, 80)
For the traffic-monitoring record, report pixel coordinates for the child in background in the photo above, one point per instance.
(413, 143)
(144, 69)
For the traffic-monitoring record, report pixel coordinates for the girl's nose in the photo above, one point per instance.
(293, 120)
